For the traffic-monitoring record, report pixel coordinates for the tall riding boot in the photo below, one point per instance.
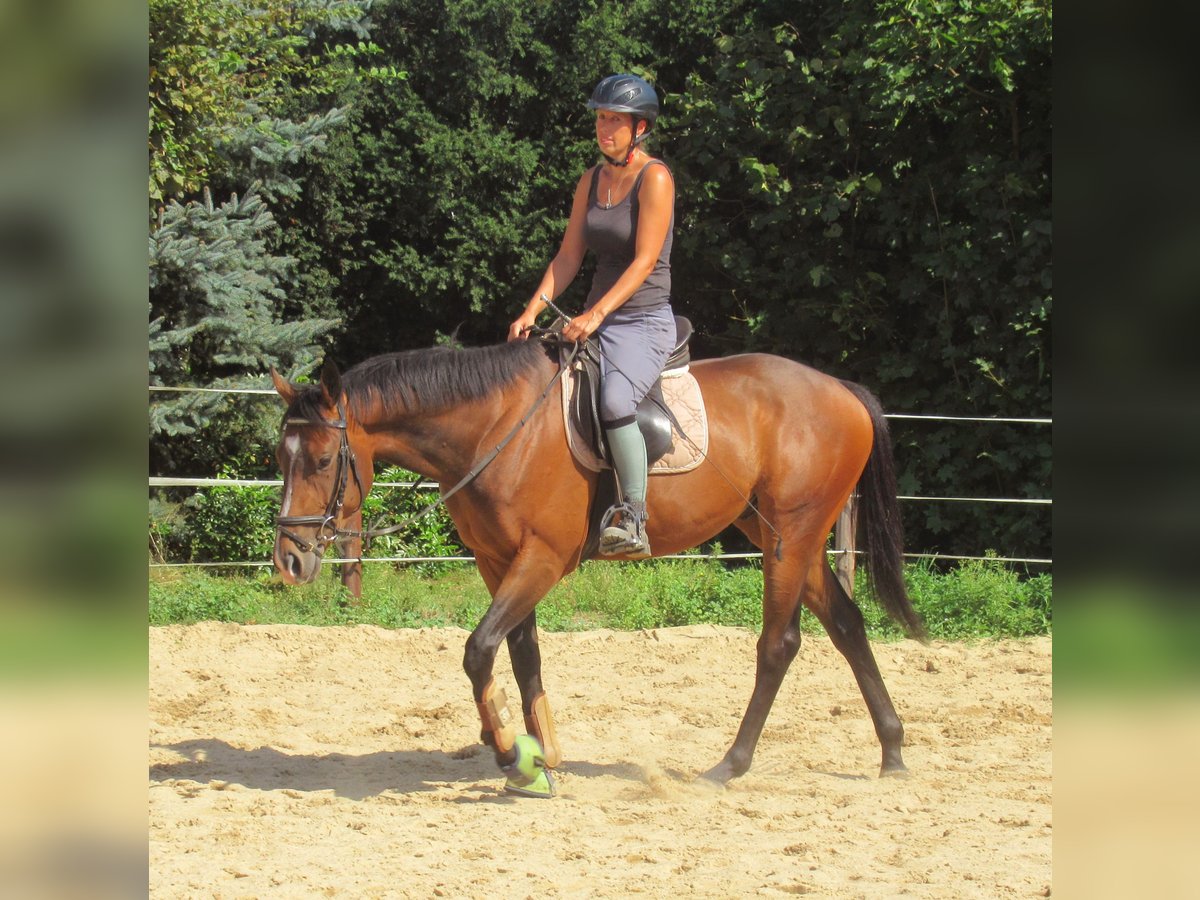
(624, 525)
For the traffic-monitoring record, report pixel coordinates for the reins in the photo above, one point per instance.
(328, 531)
(483, 463)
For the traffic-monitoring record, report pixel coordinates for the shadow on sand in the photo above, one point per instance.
(353, 777)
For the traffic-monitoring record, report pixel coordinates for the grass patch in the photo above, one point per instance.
(392, 598)
(976, 599)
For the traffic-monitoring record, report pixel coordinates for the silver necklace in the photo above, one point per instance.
(608, 203)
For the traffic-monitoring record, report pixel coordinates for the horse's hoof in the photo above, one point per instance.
(900, 771)
(542, 786)
(528, 775)
(719, 775)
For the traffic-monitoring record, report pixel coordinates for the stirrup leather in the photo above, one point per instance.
(629, 537)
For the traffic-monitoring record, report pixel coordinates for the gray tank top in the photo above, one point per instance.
(612, 235)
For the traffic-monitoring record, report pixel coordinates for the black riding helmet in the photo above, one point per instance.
(627, 94)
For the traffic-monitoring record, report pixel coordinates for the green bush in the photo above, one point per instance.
(231, 524)
(975, 598)
(236, 523)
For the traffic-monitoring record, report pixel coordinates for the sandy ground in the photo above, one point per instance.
(288, 761)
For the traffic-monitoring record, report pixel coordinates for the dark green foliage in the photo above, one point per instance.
(867, 188)
(439, 207)
(240, 100)
(220, 69)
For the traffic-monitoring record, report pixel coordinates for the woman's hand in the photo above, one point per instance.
(583, 326)
(519, 330)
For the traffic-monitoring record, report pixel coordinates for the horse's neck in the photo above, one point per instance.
(443, 445)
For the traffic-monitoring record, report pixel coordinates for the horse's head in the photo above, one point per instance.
(323, 487)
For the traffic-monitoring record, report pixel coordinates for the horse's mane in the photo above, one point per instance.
(431, 379)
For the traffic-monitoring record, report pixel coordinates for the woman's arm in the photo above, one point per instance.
(656, 200)
(565, 265)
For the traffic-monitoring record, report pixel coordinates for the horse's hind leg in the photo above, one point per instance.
(844, 622)
(777, 647)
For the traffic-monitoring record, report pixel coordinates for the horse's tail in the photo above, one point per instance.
(882, 531)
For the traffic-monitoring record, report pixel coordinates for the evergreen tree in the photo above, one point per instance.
(214, 282)
(241, 95)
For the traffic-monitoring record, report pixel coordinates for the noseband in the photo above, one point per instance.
(326, 525)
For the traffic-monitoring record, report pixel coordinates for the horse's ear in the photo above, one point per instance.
(283, 387)
(331, 382)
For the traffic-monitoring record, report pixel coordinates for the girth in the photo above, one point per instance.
(653, 418)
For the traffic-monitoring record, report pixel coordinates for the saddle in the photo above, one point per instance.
(654, 418)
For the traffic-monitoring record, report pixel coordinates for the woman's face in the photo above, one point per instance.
(614, 131)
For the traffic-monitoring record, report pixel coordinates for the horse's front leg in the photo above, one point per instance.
(515, 590)
(351, 548)
(526, 659)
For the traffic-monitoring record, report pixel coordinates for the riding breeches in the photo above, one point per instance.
(634, 347)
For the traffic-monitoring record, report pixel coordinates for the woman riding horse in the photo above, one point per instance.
(629, 305)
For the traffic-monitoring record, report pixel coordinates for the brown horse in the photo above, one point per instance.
(788, 445)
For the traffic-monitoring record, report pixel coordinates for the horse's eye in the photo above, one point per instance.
(323, 462)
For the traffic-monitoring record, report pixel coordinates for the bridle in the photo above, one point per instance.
(326, 524)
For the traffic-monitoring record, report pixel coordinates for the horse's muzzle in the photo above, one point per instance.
(295, 566)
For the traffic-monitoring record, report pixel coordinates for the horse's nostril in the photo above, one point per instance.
(294, 566)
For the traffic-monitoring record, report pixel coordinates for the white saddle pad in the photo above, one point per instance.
(681, 391)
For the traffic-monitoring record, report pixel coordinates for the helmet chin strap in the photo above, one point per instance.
(633, 145)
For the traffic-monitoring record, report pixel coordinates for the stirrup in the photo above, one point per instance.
(629, 537)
